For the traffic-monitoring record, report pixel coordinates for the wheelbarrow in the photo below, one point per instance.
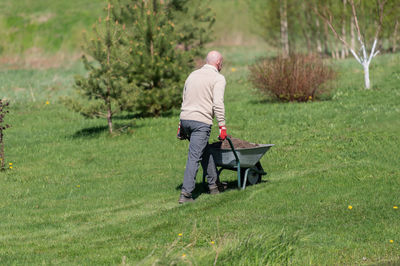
(245, 161)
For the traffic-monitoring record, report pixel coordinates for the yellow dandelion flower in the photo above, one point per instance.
(350, 207)
(391, 241)
(47, 102)
(395, 207)
(78, 185)
(212, 242)
(183, 255)
(11, 167)
(233, 69)
(310, 97)
(180, 234)
(10, 164)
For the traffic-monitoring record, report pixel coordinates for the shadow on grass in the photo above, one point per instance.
(319, 98)
(118, 128)
(130, 116)
(201, 188)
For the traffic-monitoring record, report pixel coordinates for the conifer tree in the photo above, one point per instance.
(194, 21)
(156, 66)
(105, 91)
(141, 55)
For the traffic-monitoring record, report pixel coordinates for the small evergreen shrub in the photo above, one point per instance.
(296, 78)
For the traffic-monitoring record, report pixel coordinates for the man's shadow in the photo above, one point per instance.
(201, 187)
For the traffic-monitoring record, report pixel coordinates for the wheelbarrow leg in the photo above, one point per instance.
(245, 178)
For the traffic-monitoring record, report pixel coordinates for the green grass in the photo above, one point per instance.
(76, 195)
(54, 26)
(49, 25)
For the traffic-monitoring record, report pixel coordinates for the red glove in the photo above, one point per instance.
(178, 134)
(222, 133)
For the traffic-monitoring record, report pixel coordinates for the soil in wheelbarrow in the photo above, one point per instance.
(237, 143)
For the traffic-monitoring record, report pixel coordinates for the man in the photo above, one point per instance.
(203, 99)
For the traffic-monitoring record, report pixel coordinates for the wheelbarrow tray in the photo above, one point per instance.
(248, 156)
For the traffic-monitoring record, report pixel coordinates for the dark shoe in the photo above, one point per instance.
(185, 197)
(222, 186)
(213, 189)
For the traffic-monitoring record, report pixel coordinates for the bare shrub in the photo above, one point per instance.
(296, 78)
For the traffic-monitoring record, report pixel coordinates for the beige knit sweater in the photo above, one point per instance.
(203, 96)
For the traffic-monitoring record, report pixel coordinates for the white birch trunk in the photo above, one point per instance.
(365, 60)
(284, 28)
(366, 76)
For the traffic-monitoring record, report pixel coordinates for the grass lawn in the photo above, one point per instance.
(51, 26)
(76, 195)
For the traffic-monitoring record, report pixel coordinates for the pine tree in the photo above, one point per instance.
(157, 67)
(194, 21)
(141, 55)
(105, 91)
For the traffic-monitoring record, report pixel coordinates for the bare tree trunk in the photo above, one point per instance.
(307, 38)
(343, 52)
(1, 149)
(107, 99)
(109, 117)
(366, 76)
(284, 28)
(318, 33)
(326, 36)
(307, 33)
(352, 35)
(394, 40)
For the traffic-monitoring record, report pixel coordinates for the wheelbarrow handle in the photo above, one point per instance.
(237, 160)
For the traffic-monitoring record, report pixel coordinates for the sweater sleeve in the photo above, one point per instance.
(218, 100)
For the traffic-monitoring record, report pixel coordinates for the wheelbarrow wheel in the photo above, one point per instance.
(253, 177)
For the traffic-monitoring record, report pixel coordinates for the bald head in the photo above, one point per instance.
(214, 58)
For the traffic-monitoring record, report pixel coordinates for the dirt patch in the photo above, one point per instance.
(237, 144)
(41, 18)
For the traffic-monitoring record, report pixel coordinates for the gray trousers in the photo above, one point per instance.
(198, 134)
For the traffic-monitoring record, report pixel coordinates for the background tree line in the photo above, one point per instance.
(291, 25)
(142, 50)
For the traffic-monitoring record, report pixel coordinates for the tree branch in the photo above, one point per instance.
(328, 18)
(353, 9)
(381, 4)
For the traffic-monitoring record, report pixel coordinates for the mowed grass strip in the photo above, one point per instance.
(77, 195)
